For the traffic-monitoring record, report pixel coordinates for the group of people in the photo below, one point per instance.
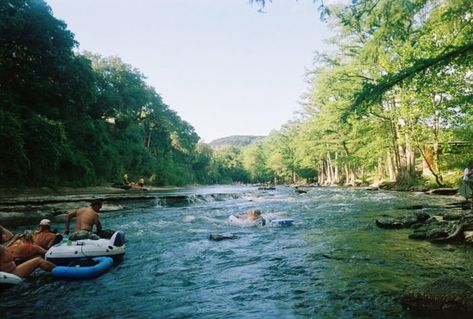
(140, 184)
(21, 254)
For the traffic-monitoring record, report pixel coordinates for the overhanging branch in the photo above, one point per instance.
(371, 93)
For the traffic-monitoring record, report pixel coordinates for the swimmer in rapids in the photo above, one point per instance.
(251, 215)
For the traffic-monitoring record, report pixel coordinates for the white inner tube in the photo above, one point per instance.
(9, 279)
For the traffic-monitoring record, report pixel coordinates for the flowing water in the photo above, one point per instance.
(332, 263)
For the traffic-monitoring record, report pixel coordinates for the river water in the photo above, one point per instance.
(332, 263)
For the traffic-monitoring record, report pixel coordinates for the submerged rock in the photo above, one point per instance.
(458, 229)
(219, 237)
(443, 191)
(452, 297)
(403, 221)
(452, 215)
(432, 229)
(395, 222)
(419, 206)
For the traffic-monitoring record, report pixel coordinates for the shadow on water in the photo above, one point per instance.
(332, 263)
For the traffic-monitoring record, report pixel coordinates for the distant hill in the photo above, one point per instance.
(238, 141)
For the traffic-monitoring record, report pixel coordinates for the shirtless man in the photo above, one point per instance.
(8, 265)
(87, 217)
(44, 237)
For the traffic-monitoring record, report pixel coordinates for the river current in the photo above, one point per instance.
(334, 262)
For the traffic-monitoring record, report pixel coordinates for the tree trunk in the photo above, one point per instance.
(381, 169)
(329, 169)
(336, 176)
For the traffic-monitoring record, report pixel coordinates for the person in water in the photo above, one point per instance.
(250, 215)
(86, 218)
(24, 248)
(7, 264)
(44, 237)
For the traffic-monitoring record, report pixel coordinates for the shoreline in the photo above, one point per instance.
(65, 191)
(47, 195)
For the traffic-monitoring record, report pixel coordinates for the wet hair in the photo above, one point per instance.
(96, 202)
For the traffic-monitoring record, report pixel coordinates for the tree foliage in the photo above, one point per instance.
(80, 119)
(392, 101)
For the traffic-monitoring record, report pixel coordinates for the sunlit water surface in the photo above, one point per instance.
(332, 263)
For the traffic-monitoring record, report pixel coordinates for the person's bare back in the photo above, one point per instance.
(86, 218)
(44, 239)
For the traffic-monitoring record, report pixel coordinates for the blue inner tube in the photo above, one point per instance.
(102, 264)
(282, 222)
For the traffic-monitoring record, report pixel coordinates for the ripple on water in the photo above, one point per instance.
(333, 263)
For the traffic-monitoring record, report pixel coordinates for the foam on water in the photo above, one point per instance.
(332, 263)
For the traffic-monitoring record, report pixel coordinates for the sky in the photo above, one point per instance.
(223, 65)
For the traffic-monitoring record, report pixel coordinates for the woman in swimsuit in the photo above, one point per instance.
(7, 264)
(24, 248)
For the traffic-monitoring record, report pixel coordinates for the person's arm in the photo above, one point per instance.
(51, 241)
(6, 234)
(98, 225)
(13, 240)
(39, 250)
(68, 220)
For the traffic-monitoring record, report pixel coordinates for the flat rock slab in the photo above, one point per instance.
(70, 198)
(443, 191)
(401, 221)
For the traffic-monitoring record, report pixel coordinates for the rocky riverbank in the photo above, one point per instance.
(22, 206)
(29, 206)
(444, 297)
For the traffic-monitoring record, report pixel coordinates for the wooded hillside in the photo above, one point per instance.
(79, 119)
(238, 141)
(391, 102)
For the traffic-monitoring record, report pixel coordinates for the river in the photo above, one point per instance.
(332, 263)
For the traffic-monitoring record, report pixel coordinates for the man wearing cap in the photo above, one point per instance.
(44, 237)
(86, 218)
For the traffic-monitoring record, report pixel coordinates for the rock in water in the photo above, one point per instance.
(452, 297)
(219, 237)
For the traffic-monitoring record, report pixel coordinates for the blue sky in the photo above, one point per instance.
(224, 67)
